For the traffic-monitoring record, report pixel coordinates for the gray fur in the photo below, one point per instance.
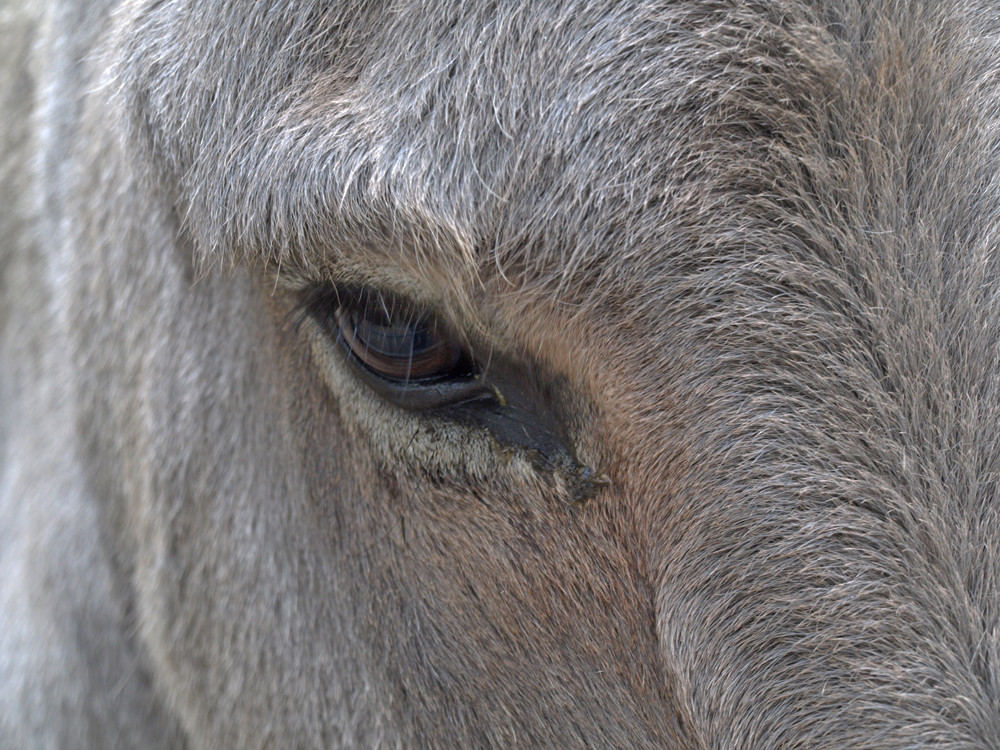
(748, 252)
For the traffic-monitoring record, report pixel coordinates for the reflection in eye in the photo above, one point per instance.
(400, 348)
(389, 338)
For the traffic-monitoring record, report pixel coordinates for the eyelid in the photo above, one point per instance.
(424, 397)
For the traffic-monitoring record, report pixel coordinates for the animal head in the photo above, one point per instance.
(491, 374)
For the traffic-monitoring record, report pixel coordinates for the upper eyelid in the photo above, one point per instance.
(322, 301)
(394, 304)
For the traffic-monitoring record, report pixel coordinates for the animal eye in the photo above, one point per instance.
(402, 353)
(399, 346)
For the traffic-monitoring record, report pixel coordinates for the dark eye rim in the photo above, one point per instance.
(508, 405)
(463, 384)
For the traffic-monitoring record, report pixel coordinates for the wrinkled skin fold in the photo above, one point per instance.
(734, 264)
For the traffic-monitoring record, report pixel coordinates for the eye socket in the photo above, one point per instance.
(402, 353)
(407, 356)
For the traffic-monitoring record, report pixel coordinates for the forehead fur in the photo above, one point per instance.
(580, 145)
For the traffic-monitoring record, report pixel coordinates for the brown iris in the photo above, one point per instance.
(398, 348)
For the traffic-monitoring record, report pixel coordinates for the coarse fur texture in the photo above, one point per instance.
(741, 257)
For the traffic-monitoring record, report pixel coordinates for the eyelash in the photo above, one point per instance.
(322, 302)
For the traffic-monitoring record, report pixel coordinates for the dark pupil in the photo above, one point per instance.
(391, 340)
(401, 349)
